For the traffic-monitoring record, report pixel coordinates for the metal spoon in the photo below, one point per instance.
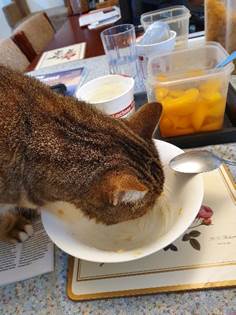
(194, 162)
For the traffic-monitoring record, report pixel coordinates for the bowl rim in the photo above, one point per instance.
(171, 38)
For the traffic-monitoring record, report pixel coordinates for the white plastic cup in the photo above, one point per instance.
(145, 52)
(112, 94)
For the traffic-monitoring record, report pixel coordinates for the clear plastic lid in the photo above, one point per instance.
(170, 14)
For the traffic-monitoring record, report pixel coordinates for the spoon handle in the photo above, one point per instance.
(230, 58)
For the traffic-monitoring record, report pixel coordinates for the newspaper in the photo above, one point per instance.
(72, 78)
(28, 259)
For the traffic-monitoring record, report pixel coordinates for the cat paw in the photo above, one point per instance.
(26, 233)
(19, 229)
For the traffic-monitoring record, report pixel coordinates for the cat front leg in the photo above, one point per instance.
(16, 224)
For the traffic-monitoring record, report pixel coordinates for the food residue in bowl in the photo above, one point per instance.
(119, 251)
(60, 212)
(128, 238)
(137, 253)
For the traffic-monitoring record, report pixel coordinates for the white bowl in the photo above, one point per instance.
(85, 239)
(157, 48)
(146, 52)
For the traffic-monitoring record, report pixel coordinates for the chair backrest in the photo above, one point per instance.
(25, 46)
(11, 56)
(23, 6)
(38, 29)
(13, 14)
(76, 7)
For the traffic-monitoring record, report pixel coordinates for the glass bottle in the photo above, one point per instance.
(220, 22)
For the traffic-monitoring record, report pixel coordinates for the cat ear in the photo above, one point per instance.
(145, 121)
(125, 188)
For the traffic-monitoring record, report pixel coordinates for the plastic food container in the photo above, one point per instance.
(192, 91)
(177, 17)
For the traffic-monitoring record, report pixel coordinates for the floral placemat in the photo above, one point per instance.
(203, 257)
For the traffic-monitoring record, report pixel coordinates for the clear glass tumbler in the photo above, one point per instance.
(119, 43)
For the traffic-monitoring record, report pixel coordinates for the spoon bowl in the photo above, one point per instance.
(195, 162)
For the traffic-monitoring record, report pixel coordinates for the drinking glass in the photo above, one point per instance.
(119, 43)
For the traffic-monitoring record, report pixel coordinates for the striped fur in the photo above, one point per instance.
(55, 148)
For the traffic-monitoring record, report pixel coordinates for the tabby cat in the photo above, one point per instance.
(56, 148)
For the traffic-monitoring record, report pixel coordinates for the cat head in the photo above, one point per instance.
(131, 187)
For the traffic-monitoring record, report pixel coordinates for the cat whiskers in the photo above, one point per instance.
(166, 188)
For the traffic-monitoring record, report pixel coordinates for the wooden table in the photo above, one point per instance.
(71, 33)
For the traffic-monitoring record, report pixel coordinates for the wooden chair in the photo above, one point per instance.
(13, 14)
(106, 4)
(39, 32)
(23, 7)
(77, 7)
(25, 46)
(11, 56)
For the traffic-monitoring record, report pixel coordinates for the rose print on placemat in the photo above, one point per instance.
(59, 54)
(69, 54)
(204, 217)
(191, 238)
(171, 247)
